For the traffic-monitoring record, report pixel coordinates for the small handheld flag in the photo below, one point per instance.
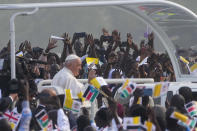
(20, 54)
(127, 89)
(139, 101)
(193, 68)
(49, 127)
(42, 118)
(69, 103)
(184, 60)
(150, 126)
(131, 122)
(91, 93)
(98, 82)
(191, 108)
(160, 89)
(90, 60)
(179, 116)
(190, 123)
(13, 118)
(80, 96)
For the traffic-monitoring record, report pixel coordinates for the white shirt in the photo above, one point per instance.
(113, 125)
(62, 121)
(66, 80)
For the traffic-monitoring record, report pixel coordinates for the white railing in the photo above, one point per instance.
(109, 81)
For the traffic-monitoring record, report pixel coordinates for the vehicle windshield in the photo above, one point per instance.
(181, 29)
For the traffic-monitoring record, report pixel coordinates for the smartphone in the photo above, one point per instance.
(80, 35)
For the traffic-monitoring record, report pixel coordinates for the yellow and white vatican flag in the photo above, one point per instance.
(98, 82)
(131, 122)
(20, 54)
(149, 126)
(70, 103)
(160, 89)
(184, 60)
(90, 60)
(193, 68)
(179, 116)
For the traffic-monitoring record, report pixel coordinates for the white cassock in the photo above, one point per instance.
(66, 80)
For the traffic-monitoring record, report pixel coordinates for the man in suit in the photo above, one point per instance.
(6, 102)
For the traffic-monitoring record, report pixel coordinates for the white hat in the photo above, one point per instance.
(72, 57)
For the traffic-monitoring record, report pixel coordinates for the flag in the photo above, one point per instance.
(90, 60)
(139, 101)
(184, 60)
(80, 96)
(143, 62)
(69, 103)
(91, 93)
(179, 116)
(183, 120)
(42, 118)
(189, 124)
(127, 89)
(191, 108)
(13, 118)
(125, 84)
(193, 68)
(131, 122)
(160, 89)
(20, 54)
(49, 127)
(149, 126)
(98, 82)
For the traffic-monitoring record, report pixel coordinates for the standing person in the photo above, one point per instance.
(66, 77)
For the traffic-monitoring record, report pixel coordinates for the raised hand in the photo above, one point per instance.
(51, 44)
(129, 38)
(89, 40)
(66, 39)
(116, 35)
(24, 87)
(22, 46)
(28, 46)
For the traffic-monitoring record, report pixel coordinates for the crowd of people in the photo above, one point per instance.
(117, 59)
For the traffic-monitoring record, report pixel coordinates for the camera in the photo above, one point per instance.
(80, 35)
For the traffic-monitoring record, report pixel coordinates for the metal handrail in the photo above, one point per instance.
(109, 81)
(12, 38)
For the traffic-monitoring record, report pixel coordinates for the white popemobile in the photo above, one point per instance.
(174, 25)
